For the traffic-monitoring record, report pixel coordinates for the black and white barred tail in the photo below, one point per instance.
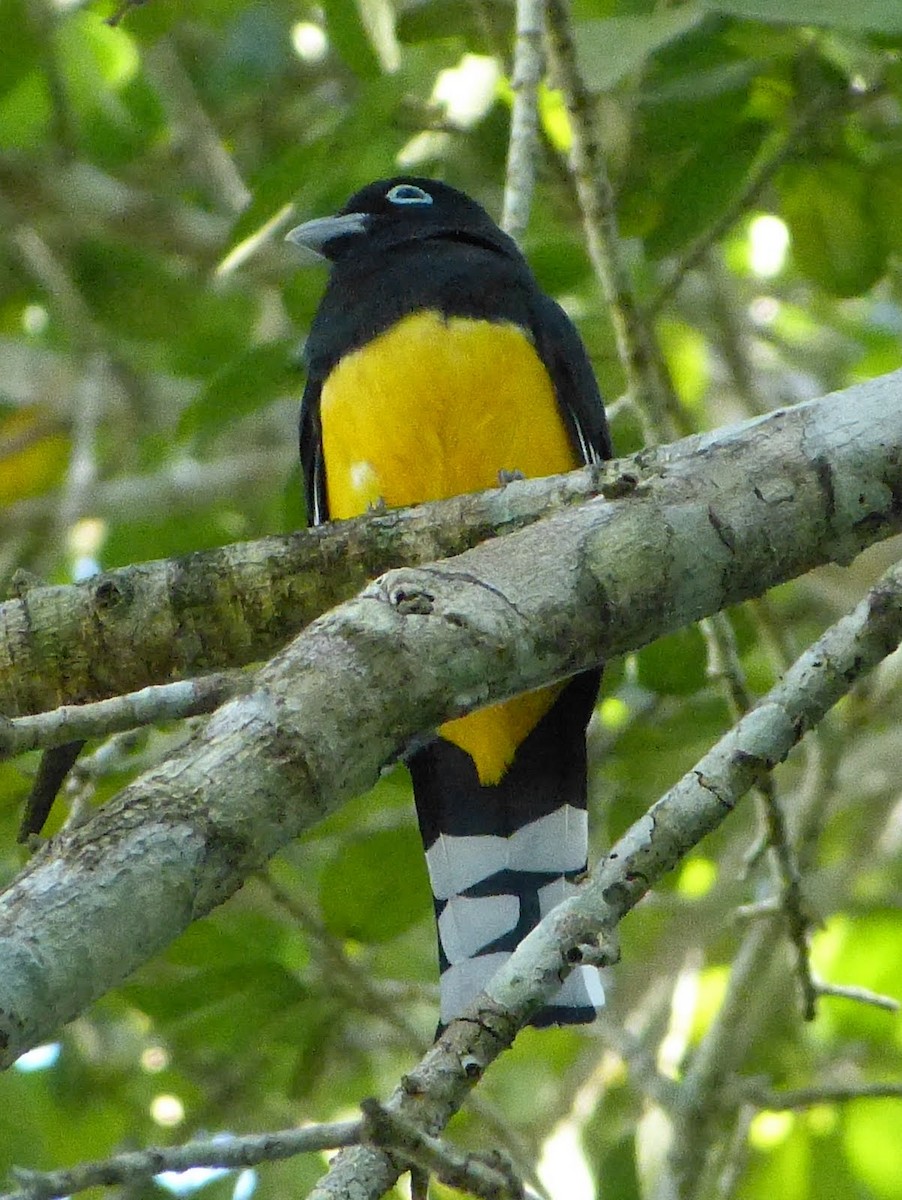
(501, 856)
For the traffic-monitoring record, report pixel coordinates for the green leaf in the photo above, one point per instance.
(705, 187)
(261, 375)
(866, 16)
(610, 50)
(306, 174)
(349, 38)
(657, 748)
(871, 1135)
(97, 66)
(147, 298)
(695, 84)
(20, 42)
(238, 938)
(25, 113)
(107, 57)
(376, 886)
(783, 1167)
(868, 951)
(886, 201)
(686, 351)
(835, 240)
(217, 1005)
(616, 1168)
(483, 28)
(675, 665)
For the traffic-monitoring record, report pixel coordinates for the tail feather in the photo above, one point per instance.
(501, 856)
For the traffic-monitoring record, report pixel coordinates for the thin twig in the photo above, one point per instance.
(225, 1151)
(209, 159)
(184, 484)
(366, 994)
(87, 412)
(648, 380)
(53, 769)
(419, 1183)
(122, 11)
(50, 273)
(355, 983)
(724, 664)
(758, 179)
(859, 994)
(489, 1177)
(640, 1052)
(735, 1155)
(719, 1055)
(694, 807)
(827, 1093)
(163, 702)
(529, 63)
(730, 322)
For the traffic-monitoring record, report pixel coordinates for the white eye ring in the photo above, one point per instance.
(407, 193)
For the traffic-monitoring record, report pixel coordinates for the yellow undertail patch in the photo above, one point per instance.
(492, 735)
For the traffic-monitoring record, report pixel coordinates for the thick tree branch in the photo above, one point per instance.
(142, 625)
(730, 515)
(148, 624)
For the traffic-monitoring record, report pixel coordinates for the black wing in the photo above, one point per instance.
(563, 353)
(311, 438)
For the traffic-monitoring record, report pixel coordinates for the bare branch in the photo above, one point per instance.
(825, 1093)
(724, 664)
(226, 1151)
(648, 380)
(491, 1180)
(860, 995)
(210, 162)
(524, 135)
(701, 1100)
(79, 722)
(147, 624)
(141, 625)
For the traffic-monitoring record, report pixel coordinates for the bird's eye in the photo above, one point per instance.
(407, 193)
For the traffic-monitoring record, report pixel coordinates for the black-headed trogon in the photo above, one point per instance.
(436, 366)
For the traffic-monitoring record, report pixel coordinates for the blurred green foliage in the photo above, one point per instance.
(149, 324)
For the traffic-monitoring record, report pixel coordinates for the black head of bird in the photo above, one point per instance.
(400, 210)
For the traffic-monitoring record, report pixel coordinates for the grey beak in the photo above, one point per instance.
(316, 234)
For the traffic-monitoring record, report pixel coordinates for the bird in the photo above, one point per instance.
(437, 366)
